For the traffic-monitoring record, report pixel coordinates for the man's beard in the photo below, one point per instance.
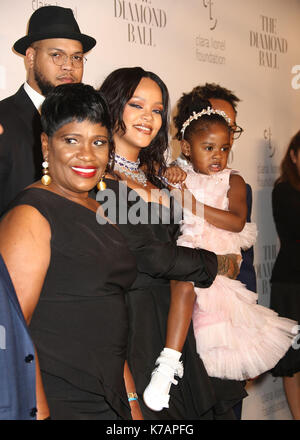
(45, 86)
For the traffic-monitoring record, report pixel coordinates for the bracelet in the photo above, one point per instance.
(132, 396)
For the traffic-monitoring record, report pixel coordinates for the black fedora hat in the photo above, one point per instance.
(53, 22)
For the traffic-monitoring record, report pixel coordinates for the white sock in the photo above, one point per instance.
(173, 354)
(156, 394)
(160, 381)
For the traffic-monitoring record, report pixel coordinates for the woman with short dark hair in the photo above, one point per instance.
(69, 271)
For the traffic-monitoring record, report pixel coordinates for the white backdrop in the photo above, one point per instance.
(249, 47)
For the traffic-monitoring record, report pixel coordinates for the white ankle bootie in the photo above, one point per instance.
(156, 395)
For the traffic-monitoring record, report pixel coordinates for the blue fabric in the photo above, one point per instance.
(247, 276)
(17, 356)
(247, 272)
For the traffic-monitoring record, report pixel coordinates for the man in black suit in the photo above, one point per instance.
(54, 51)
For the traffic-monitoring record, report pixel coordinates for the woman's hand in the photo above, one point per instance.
(229, 265)
(136, 412)
(174, 174)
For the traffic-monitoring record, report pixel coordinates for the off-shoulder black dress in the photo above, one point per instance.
(80, 324)
(153, 241)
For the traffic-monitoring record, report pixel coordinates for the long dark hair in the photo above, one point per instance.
(118, 88)
(288, 170)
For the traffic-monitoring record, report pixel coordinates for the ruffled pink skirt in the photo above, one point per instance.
(237, 338)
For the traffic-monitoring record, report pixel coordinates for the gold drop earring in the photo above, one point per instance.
(101, 185)
(46, 179)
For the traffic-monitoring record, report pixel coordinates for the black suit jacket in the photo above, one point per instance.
(247, 273)
(17, 357)
(20, 146)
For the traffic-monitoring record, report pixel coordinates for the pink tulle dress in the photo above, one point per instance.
(236, 338)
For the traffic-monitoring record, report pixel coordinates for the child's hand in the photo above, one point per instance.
(175, 174)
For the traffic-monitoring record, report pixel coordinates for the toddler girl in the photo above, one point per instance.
(236, 338)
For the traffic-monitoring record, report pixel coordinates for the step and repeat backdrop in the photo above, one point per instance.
(251, 48)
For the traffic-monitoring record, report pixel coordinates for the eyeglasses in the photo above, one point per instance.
(236, 131)
(60, 59)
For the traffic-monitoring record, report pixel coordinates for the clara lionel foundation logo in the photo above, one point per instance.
(267, 170)
(269, 144)
(270, 46)
(213, 20)
(209, 48)
(143, 19)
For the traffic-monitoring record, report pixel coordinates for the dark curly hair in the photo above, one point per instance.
(288, 170)
(118, 88)
(186, 105)
(215, 91)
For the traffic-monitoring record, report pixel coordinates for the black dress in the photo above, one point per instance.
(285, 280)
(159, 260)
(80, 324)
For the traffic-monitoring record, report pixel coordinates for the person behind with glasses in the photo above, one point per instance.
(54, 51)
